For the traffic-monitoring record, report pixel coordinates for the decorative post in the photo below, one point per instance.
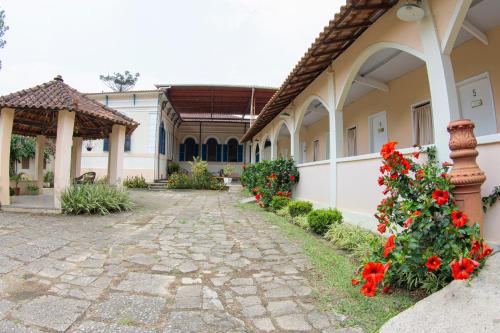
(465, 174)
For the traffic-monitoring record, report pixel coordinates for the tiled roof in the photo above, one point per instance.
(55, 95)
(348, 25)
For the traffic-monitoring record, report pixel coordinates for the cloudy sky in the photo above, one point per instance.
(250, 42)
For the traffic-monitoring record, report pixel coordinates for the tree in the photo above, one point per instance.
(25, 147)
(120, 82)
(3, 29)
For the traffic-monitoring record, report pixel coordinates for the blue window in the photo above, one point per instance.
(161, 144)
(127, 145)
(257, 154)
(211, 150)
(188, 150)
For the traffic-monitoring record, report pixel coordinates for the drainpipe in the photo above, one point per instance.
(199, 145)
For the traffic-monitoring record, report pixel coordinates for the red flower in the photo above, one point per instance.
(444, 175)
(258, 196)
(292, 178)
(389, 245)
(244, 166)
(447, 164)
(458, 218)
(408, 222)
(419, 175)
(381, 180)
(433, 263)
(461, 270)
(381, 228)
(388, 149)
(384, 192)
(416, 154)
(373, 272)
(369, 289)
(417, 213)
(394, 175)
(440, 196)
(386, 289)
(476, 246)
(354, 282)
(486, 251)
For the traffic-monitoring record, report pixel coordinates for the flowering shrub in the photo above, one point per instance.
(278, 202)
(268, 179)
(430, 242)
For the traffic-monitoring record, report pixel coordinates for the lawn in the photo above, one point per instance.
(333, 272)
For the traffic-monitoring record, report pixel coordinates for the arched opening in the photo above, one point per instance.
(388, 100)
(212, 150)
(257, 153)
(283, 142)
(188, 150)
(232, 151)
(161, 143)
(266, 151)
(314, 133)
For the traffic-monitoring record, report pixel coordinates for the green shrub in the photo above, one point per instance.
(12, 192)
(49, 178)
(321, 219)
(94, 200)
(278, 202)
(297, 208)
(32, 189)
(178, 181)
(102, 180)
(354, 239)
(283, 212)
(201, 177)
(301, 221)
(135, 182)
(173, 168)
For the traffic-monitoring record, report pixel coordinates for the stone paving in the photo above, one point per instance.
(185, 261)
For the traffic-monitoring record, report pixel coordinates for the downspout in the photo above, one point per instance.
(199, 145)
(157, 138)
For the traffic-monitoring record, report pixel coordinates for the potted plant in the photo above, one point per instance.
(32, 189)
(17, 179)
(226, 172)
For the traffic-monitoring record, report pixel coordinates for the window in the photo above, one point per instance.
(161, 143)
(422, 124)
(212, 150)
(232, 148)
(257, 154)
(128, 143)
(188, 150)
(316, 150)
(352, 149)
(25, 163)
(105, 145)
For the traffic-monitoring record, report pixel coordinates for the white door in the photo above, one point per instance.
(378, 131)
(476, 103)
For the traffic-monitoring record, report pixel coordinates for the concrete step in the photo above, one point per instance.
(33, 210)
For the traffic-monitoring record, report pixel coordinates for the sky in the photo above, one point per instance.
(239, 42)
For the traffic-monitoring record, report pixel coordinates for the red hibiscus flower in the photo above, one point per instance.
(388, 149)
(389, 245)
(406, 166)
(458, 218)
(354, 282)
(461, 270)
(255, 190)
(394, 175)
(408, 222)
(486, 251)
(419, 175)
(417, 213)
(292, 178)
(381, 228)
(258, 196)
(476, 246)
(416, 154)
(369, 289)
(384, 192)
(373, 272)
(433, 263)
(440, 196)
(444, 175)
(381, 180)
(386, 289)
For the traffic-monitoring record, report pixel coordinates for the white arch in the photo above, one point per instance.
(189, 137)
(363, 57)
(211, 137)
(303, 108)
(278, 129)
(232, 137)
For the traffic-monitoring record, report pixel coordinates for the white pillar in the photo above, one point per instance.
(76, 157)
(62, 164)
(295, 146)
(39, 159)
(116, 153)
(274, 149)
(6, 124)
(336, 125)
(445, 106)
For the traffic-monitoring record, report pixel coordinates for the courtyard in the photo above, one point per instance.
(181, 261)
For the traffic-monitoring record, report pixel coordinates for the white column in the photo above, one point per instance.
(336, 137)
(295, 146)
(62, 164)
(76, 157)
(116, 154)
(39, 159)
(274, 149)
(6, 124)
(445, 106)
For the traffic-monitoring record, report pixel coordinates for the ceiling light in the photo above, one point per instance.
(411, 11)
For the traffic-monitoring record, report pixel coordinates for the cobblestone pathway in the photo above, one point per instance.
(193, 262)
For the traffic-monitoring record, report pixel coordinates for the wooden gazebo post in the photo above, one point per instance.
(465, 174)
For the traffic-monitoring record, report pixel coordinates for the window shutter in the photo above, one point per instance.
(219, 153)
(128, 143)
(240, 153)
(204, 152)
(181, 153)
(225, 153)
(105, 145)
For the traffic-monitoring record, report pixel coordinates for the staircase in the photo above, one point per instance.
(158, 185)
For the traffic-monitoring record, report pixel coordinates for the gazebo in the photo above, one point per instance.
(55, 110)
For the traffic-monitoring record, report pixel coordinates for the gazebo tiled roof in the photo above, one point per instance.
(36, 111)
